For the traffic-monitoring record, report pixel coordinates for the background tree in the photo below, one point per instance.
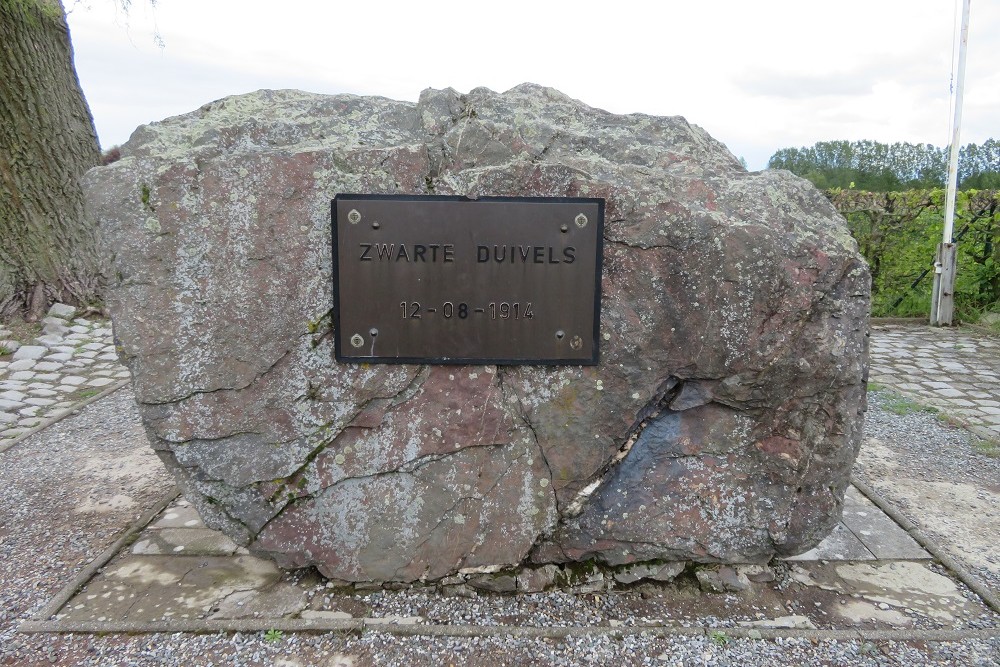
(48, 250)
(979, 166)
(878, 167)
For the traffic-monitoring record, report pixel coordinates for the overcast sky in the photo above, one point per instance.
(758, 76)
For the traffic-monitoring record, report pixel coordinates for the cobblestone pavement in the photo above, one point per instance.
(71, 360)
(955, 370)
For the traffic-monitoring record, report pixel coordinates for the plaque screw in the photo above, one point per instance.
(373, 332)
(357, 340)
(376, 225)
(560, 334)
(355, 217)
(580, 220)
(564, 228)
(576, 343)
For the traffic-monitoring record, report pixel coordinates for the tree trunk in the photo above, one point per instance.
(48, 249)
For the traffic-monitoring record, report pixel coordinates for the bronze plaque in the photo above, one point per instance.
(451, 280)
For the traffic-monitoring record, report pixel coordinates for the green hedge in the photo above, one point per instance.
(898, 233)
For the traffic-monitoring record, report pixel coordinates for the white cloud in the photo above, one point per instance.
(758, 76)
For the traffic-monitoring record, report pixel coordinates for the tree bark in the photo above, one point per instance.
(48, 248)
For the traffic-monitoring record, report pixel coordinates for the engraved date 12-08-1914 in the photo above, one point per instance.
(503, 310)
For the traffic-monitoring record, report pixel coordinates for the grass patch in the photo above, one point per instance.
(950, 420)
(87, 393)
(990, 448)
(875, 386)
(900, 405)
(912, 305)
(21, 331)
(718, 637)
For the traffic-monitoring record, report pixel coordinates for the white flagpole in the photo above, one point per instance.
(943, 299)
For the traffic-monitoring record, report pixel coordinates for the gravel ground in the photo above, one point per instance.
(70, 490)
(924, 450)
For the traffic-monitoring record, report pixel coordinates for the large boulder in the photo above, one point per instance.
(720, 424)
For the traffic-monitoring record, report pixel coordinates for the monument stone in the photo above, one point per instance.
(716, 420)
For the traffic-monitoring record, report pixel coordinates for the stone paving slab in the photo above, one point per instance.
(72, 359)
(212, 582)
(865, 533)
(186, 541)
(840, 545)
(955, 370)
(882, 536)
